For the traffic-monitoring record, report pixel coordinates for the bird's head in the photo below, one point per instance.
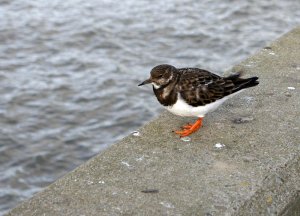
(160, 75)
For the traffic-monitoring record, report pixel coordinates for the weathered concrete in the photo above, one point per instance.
(256, 173)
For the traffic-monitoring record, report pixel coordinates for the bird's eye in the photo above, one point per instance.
(160, 76)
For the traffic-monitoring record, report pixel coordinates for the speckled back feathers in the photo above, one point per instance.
(196, 86)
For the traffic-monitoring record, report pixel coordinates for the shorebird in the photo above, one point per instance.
(194, 92)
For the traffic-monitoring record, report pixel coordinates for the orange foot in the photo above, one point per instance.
(190, 128)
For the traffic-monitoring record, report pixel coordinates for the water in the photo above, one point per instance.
(69, 72)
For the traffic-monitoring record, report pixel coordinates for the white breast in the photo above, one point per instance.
(181, 108)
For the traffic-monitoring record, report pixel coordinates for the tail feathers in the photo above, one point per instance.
(253, 81)
(240, 83)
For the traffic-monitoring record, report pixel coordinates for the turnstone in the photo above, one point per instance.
(193, 92)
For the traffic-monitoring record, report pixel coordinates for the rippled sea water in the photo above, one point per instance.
(69, 72)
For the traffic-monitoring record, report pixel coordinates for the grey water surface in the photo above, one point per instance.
(69, 72)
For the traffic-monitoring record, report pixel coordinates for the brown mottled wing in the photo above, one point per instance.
(199, 87)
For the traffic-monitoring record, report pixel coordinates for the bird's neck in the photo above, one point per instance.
(167, 94)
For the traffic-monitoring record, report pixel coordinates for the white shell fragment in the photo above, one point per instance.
(167, 204)
(125, 163)
(219, 145)
(291, 88)
(136, 133)
(140, 158)
(90, 182)
(185, 139)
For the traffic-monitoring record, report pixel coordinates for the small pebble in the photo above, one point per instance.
(288, 94)
(167, 205)
(136, 133)
(90, 182)
(241, 120)
(219, 145)
(186, 139)
(150, 191)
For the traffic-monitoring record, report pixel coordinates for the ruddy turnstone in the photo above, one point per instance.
(193, 92)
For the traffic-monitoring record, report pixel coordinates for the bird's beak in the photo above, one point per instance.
(147, 81)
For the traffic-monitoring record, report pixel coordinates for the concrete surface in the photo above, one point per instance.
(257, 172)
(293, 209)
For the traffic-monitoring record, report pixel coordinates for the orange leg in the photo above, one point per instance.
(190, 128)
(187, 126)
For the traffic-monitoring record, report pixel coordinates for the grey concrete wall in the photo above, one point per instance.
(256, 172)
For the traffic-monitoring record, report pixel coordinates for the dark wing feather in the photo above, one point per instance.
(199, 87)
(200, 75)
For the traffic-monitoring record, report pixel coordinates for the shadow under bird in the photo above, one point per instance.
(193, 92)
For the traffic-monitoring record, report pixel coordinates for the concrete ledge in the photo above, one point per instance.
(257, 172)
